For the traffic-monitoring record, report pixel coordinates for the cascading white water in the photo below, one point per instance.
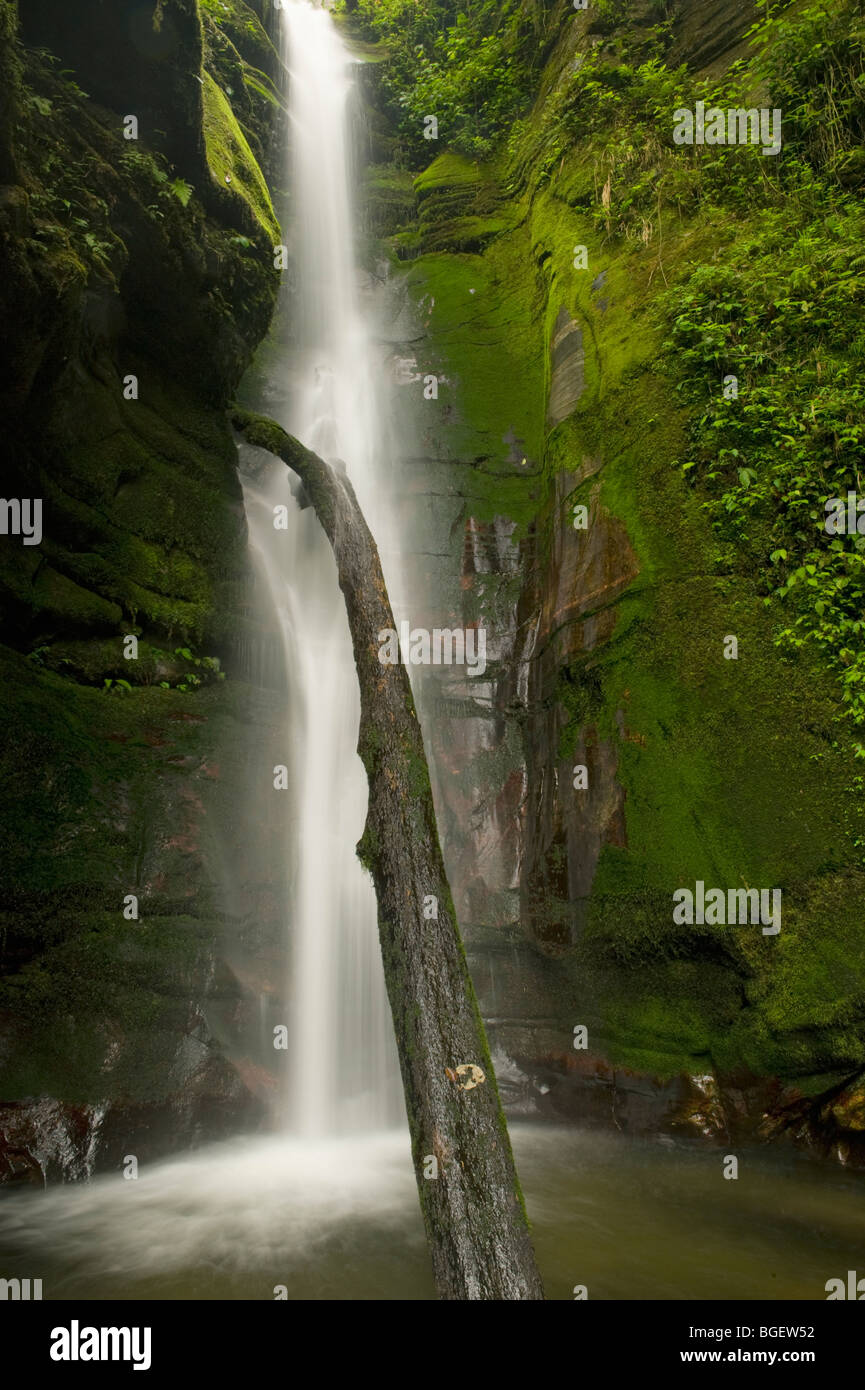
(342, 1074)
(335, 1190)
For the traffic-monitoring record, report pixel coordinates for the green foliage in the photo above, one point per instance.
(116, 687)
(783, 311)
(207, 670)
(781, 306)
(470, 68)
(748, 266)
(470, 85)
(619, 114)
(813, 63)
(181, 190)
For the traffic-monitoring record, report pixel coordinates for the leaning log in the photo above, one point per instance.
(469, 1191)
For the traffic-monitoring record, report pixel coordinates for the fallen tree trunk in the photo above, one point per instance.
(469, 1191)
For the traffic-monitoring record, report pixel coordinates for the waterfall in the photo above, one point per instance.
(342, 1073)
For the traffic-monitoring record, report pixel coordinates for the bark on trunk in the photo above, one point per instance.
(473, 1209)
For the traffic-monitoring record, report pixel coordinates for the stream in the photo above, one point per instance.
(338, 1219)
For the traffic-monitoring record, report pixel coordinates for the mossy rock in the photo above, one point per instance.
(232, 162)
(244, 28)
(729, 771)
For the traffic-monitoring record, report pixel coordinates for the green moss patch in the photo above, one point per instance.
(232, 161)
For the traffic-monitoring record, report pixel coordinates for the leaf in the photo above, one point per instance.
(181, 190)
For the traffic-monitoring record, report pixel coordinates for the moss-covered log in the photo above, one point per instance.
(470, 1195)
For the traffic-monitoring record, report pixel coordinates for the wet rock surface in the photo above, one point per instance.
(602, 639)
(135, 289)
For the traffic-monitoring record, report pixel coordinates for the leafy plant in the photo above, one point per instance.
(784, 313)
(181, 190)
(469, 67)
(40, 104)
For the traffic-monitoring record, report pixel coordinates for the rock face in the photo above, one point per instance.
(137, 280)
(610, 754)
(134, 58)
(567, 363)
(571, 614)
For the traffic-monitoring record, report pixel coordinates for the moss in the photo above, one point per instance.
(731, 771)
(108, 792)
(93, 1006)
(417, 774)
(388, 199)
(368, 848)
(260, 431)
(259, 83)
(231, 159)
(726, 778)
(104, 982)
(61, 598)
(448, 171)
(244, 28)
(245, 65)
(487, 344)
(146, 523)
